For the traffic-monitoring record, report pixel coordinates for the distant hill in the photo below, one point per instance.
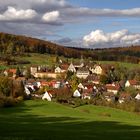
(18, 45)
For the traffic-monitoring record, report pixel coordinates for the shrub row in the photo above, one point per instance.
(9, 101)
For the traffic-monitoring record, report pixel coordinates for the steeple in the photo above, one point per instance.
(81, 60)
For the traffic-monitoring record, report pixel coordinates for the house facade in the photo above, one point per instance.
(33, 70)
(82, 73)
(48, 75)
(109, 96)
(132, 83)
(113, 88)
(71, 68)
(124, 97)
(97, 69)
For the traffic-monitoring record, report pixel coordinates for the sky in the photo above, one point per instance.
(75, 23)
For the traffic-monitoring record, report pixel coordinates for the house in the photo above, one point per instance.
(93, 79)
(47, 96)
(88, 85)
(48, 75)
(27, 91)
(137, 97)
(124, 97)
(78, 64)
(64, 66)
(81, 86)
(71, 68)
(101, 69)
(86, 96)
(76, 93)
(60, 69)
(11, 72)
(45, 84)
(82, 73)
(132, 83)
(109, 96)
(33, 70)
(114, 88)
(57, 85)
(87, 93)
(97, 69)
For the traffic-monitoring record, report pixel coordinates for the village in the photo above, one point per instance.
(81, 80)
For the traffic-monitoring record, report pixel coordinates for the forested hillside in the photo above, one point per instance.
(13, 44)
(20, 45)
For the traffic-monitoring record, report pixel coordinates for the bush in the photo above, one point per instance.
(127, 106)
(76, 102)
(137, 106)
(19, 99)
(9, 102)
(2, 98)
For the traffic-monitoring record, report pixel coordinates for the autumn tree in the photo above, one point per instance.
(6, 86)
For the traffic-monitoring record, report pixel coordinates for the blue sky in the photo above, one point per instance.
(115, 4)
(80, 23)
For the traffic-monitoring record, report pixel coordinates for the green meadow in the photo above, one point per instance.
(122, 64)
(47, 59)
(42, 120)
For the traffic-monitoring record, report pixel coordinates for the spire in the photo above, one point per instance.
(82, 60)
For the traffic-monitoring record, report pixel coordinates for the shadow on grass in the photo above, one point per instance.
(64, 128)
(33, 127)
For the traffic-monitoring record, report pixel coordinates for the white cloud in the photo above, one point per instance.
(13, 14)
(51, 16)
(102, 39)
(103, 12)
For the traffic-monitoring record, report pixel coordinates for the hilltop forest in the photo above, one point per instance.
(11, 45)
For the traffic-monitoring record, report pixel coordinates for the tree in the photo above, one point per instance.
(74, 82)
(69, 75)
(6, 86)
(18, 73)
(28, 73)
(104, 79)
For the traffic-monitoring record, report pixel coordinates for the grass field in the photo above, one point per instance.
(50, 60)
(46, 59)
(123, 64)
(40, 59)
(38, 120)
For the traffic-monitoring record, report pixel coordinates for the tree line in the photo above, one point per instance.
(19, 45)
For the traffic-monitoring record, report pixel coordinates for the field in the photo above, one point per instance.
(38, 120)
(46, 59)
(50, 60)
(124, 64)
(40, 59)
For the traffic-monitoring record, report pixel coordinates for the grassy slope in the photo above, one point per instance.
(46, 59)
(124, 64)
(43, 120)
(49, 60)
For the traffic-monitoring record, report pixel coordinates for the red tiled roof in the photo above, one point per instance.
(125, 95)
(87, 91)
(109, 94)
(64, 66)
(133, 82)
(45, 83)
(112, 87)
(12, 71)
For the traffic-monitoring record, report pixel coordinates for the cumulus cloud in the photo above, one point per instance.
(51, 16)
(13, 14)
(102, 39)
(41, 15)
